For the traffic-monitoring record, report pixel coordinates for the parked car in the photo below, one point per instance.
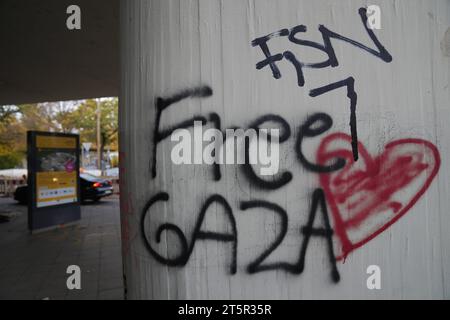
(91, 187)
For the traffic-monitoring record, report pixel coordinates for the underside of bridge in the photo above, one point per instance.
(42, 60)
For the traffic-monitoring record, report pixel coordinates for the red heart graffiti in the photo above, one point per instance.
(367, 196)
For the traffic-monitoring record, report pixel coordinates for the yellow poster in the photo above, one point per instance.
(55, 142)
(56, 177)
(55, 188)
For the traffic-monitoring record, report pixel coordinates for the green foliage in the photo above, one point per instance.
(7, 111)
(84, 118)
(10, 160)
(67, 117)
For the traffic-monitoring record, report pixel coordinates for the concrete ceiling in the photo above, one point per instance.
(41, 60)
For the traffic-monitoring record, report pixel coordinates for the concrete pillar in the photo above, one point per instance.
(325, 226)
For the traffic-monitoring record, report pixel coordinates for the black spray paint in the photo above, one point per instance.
(256, 266)
(308, 231)
(313, 126)
(353, 97)
(327, 48)
(198, 234)
(316, 125)
(281, 179)
(162, 104)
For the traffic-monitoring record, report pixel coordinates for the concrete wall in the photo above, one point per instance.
(390, 208)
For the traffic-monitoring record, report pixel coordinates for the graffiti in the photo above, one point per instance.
(198, 234)
(327, 48)
(215, 120)
(191, 149)
(393, 170)
(332, 61)
(161, 105)
(280, 180)
(365, 195)
(318, 198)
(351, 94)
(316, 125)
(308, 129)
(371, 195)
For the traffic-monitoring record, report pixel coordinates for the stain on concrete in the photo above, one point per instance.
(445, 43)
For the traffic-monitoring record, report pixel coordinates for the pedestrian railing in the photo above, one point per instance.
(8, 185)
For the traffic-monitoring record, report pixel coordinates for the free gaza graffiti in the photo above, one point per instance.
(357, 196)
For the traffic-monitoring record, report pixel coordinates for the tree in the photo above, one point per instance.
(84, 118)
(11, 146)
(7, 111)
(37, 117)
(66, 117)
(15, 121)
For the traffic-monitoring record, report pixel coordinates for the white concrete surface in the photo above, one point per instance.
(168, 46)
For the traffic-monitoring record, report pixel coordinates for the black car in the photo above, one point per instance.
(92, 188)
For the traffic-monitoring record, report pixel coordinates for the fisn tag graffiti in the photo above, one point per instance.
(358, 195)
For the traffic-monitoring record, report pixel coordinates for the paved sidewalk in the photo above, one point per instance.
(34, 266)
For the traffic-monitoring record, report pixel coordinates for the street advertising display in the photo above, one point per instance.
(53, 179)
